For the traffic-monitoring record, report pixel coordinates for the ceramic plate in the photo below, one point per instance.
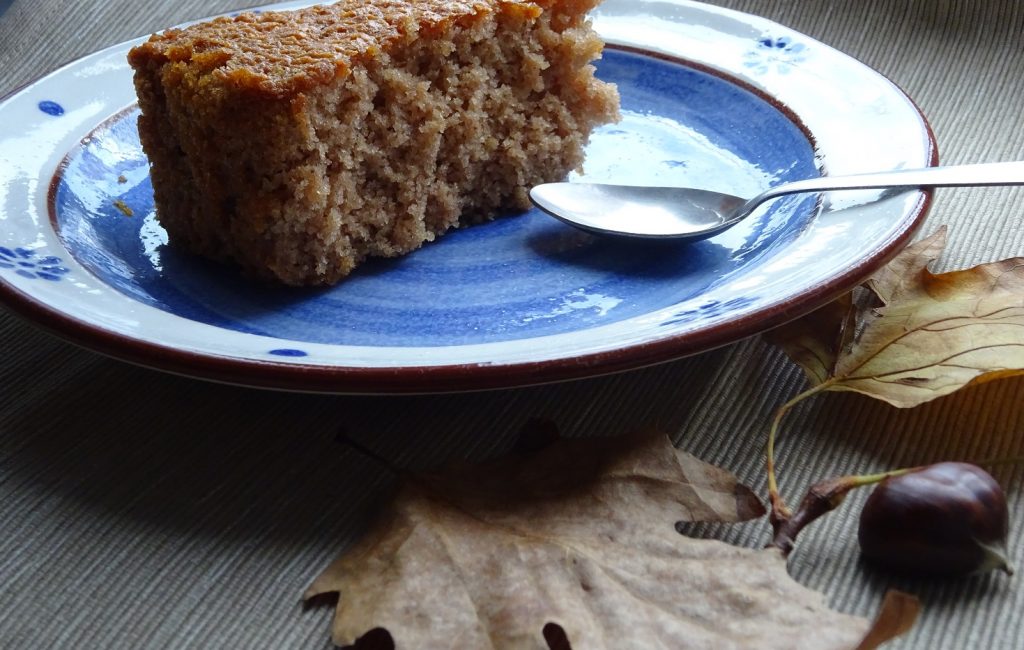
(710, 98)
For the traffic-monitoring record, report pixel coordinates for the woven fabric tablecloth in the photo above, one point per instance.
(144, 510)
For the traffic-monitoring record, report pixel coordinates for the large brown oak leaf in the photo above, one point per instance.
(579, 535)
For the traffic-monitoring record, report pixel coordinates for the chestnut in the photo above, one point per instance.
(940, 520)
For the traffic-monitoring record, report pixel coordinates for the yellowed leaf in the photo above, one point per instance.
(579, 535)
(933, 335)
(903, 273)
(815, 341)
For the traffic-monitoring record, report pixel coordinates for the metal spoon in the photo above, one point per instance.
(688, 213)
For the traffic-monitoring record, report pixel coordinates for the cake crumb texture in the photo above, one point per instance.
(297, 144)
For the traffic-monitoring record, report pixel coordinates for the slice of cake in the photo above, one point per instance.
(299, 143)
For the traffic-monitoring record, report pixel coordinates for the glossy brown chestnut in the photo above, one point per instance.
(943, 519)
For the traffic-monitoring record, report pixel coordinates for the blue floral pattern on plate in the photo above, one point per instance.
(51, 108)
(709, 309)
(775, 53)
(289, 352)
(25, 262)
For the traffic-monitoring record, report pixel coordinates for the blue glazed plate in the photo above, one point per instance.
(710, 98)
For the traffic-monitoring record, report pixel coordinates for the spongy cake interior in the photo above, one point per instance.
(446, 126)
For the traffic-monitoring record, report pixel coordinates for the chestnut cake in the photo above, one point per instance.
(298, 143)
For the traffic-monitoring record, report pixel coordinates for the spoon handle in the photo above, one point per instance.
(1000, 173)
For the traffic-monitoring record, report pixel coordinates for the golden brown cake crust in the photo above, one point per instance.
(282, 53)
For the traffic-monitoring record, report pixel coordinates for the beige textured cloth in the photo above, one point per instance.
(143, 510)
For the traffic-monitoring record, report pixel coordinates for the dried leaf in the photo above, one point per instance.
(933, 334)
(815, 341)
(580, 535)
(897, 615)
(903, 273)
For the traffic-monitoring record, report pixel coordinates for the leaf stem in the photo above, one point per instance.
(780, 512)
(822, 498)
(870, 479)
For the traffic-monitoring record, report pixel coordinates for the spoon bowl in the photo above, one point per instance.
(693, 213)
